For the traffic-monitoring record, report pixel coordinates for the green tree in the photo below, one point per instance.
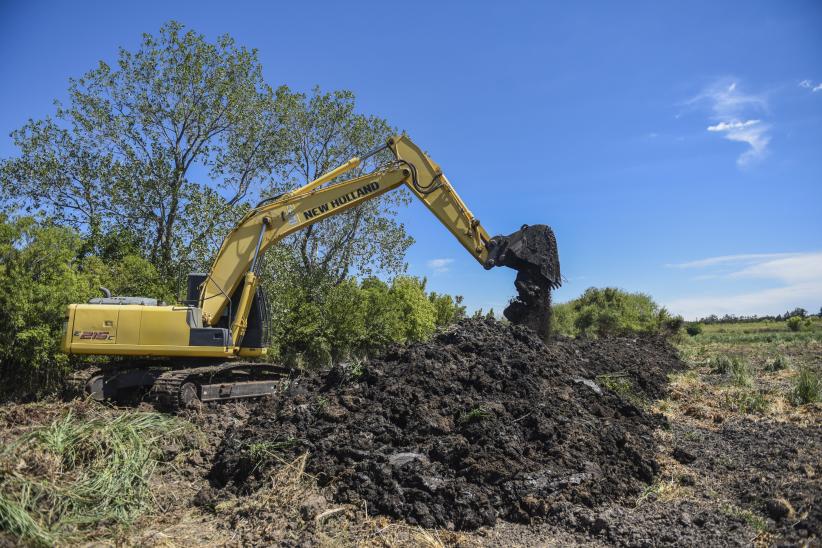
(317, 326)
(417, 314)
(122, 151)
(324, 130)
(383, 318)
(448, 309)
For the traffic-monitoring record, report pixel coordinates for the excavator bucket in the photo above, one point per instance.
(532, 252)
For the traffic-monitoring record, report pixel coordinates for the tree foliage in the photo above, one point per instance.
(324, 130)
(322, 325)
(123, 150)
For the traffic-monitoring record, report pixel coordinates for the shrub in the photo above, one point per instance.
(795, 323)
(447, 309)
(42, 269)
(317, 322)
(562, 319)
(807, 387)
(694, 329)
(669, 324)
(611, 311)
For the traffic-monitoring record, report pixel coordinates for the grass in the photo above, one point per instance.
(747, 402)
(737, 368)
(477, 414)
(60, 482)
(741, 372)
(622, 385)
(721, 364)
(751, 518)
(265, 451)
(758, 368)
(662, 490)
(807, 387)
(779, 363)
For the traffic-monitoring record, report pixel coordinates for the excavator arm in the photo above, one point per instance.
(236, 262)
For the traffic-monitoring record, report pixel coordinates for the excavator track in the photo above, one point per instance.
(77, 383)
(172, 387)
(176, 389)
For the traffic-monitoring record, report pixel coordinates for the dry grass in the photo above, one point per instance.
(292, 508)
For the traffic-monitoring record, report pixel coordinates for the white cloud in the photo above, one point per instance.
(727, 126)
(792, 269)
(798, 277)
(722, 259)
(440, 266)
(730, 106)
(751, 132)
(807, 84)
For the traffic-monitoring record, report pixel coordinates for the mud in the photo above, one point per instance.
(482, 423)
(532, 306)
(532, 252)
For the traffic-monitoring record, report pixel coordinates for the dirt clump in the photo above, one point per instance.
(484, 422)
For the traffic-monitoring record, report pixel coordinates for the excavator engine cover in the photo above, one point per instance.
(532, 252)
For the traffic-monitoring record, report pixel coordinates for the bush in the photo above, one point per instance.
(319, 322)
(43, 268)
(562, 319)
(611, 311)
(797, 323)
(447, 309)
(694, 329)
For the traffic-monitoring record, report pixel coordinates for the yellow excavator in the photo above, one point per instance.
(198, 349)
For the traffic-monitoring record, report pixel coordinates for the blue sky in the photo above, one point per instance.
(676, 148)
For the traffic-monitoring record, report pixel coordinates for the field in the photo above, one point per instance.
(732, 434)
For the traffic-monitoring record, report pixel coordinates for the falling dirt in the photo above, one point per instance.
(484, 422)
(532, 252)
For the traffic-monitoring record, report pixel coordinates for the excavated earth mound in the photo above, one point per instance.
(484, 422)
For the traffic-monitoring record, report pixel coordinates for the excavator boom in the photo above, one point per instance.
(273, 221)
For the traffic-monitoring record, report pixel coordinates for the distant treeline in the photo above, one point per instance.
(732, 318)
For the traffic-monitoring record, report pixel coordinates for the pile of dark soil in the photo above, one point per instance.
(481, 423)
